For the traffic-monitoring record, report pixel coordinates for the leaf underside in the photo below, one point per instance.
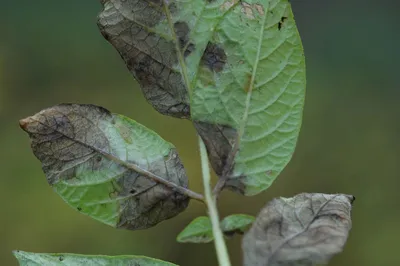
(86, 154)
(307, 229)
(235, 68)
(56, 259)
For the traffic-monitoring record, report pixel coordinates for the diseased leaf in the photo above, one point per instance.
(236, 224)
(259, 93)
(101, 164)
(138, 30)
(239, 65)
(307, 229)
(56, 259)
(198, 231)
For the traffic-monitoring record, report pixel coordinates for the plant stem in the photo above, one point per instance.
(220, 247)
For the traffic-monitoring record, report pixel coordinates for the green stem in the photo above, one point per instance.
(222, 252)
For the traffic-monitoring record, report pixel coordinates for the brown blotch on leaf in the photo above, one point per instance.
(218, 140)
(214, 57)
(130, 27)
(182, 32)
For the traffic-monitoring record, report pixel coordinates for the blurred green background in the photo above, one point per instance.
(51, 52)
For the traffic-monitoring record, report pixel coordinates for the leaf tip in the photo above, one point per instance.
(18, 254)
(351, 198)
(23, 123)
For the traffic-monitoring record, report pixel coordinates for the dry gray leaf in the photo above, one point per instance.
(148, 50)
(307, 229)
(97, 162)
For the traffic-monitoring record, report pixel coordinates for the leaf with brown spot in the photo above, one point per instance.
(307, 229)
(108, 166)
(230, 66)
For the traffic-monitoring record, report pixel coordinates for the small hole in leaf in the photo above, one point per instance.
(281, 22)
(61, 258)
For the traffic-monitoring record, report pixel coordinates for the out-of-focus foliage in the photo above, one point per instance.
(52, 52)
(56, 259)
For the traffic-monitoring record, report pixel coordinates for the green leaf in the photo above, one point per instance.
(198, 231)
(255, 102)
(236, 224)
(107, 166)
(239, 67)
(307, 229)
(55, 259)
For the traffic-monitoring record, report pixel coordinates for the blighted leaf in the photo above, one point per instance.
(136, 29)
(239, 65)
(259, 93)
(198, 231)
(307, 229)
(101, 164)
(236, 224)
(56, 259)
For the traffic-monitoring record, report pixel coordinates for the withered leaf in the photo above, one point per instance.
(89, 156)
(136, 29)
(235, 68)
(307, 229)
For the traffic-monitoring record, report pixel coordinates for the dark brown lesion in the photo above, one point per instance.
(150, 57)
(214, 57)
(182, 32)
(66, 135)
(148, 202)
(218, 141)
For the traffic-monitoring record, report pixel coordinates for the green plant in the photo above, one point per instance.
(236, 70)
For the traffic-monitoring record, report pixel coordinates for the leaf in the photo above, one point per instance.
(102, 164)
(307, 229)
(134, 28)
(239, 65)
(236, 224)
(55, 259)
(198, 231)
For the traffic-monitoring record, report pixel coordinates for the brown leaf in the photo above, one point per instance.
(148, 52)
(307, 229)
(102, 164)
